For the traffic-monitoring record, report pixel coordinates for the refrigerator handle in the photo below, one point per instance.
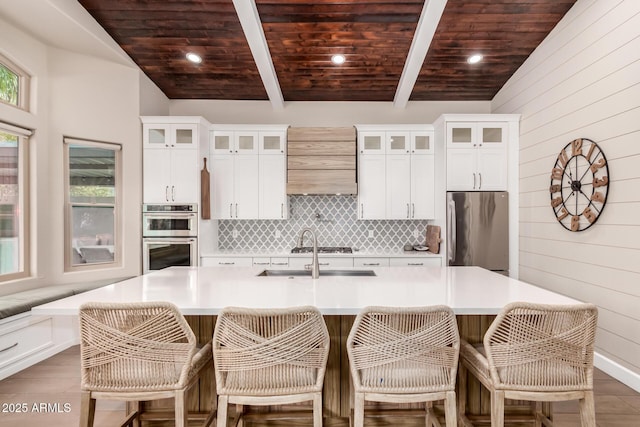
(451, 231)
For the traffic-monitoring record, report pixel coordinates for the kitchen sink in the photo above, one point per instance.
(292, 273)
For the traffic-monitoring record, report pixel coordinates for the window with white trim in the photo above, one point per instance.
(14, 84)
(14, 212)
(92, 204)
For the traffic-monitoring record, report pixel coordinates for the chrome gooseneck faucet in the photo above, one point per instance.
(315, 267)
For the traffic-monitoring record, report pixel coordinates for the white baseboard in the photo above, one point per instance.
(617, 371)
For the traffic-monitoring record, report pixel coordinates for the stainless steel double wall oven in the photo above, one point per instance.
(169, 236)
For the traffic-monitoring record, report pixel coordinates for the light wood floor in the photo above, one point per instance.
(55, 382)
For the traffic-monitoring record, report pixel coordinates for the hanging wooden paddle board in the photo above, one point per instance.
(205, 194)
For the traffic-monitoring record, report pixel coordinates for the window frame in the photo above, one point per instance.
(24, 84)
(68, 208)
(24, 262)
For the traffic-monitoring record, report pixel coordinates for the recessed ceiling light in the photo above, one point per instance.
(474, 59)
(338, 59)
(194, 57)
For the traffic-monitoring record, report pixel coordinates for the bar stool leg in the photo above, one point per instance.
(497, 408)
(317, 410)
(223, 403)
(358, 411)
(87, 409)
(588, 410)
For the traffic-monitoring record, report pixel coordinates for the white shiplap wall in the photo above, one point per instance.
(584, 81)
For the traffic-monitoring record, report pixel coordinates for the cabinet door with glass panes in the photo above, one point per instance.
(225, 142)
(170, 162)
(477, 156)
(176, 136)
(371, 142)
(476, 135)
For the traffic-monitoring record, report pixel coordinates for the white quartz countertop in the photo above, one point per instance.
(206, 290)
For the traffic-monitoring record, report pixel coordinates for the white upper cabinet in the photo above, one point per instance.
(477, 156)
(170, 135)
(234, 142)
(477, 134)
(273, 184)
(372, 187)
(172, 150)
(398, 182)
(422, 142)
(396, 178)
(272, 142)
(248, 179)
(423, 187)
(371, 142)
(398, 142)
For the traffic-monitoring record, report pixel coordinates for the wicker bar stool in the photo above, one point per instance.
(534, 352)
(136, 352)
(404, 355)
(269, 357)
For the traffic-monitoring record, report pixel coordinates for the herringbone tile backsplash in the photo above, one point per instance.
(333, 218)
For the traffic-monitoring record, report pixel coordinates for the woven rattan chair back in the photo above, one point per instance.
(542, 347)
(267, 352)
(130, 347)
(269, 357)
(401, 350)
(536, 353)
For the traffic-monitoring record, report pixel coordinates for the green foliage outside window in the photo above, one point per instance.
(9, 82)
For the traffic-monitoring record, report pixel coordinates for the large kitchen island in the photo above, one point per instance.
(476, 296)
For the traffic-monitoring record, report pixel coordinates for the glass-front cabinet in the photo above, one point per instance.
(249, 171)
(396, 172)
(476, 156)
(168, 135)
(173, 148)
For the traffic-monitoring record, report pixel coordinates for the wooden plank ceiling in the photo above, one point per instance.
(374, 35)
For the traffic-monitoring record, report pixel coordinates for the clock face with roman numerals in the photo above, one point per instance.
(579, 184)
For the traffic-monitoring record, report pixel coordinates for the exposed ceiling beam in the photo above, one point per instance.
(427, 25)
(252, 27)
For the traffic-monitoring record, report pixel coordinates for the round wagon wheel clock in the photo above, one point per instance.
(579, 184)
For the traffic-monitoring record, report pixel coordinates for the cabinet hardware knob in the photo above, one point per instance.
(236, 210)
(166, 193)
(230, 210)
(370, 263)
(474, 180)
(480, 186)
(226, 263)
(407, 210)
(415, 263)
(173, 193)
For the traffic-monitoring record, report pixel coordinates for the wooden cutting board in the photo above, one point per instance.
(433, 238)
(205, 193)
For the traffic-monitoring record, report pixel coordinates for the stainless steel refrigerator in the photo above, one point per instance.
(478, 229)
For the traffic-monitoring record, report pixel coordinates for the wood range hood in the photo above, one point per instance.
(321, 160)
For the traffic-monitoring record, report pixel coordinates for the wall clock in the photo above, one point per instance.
(579, 184)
